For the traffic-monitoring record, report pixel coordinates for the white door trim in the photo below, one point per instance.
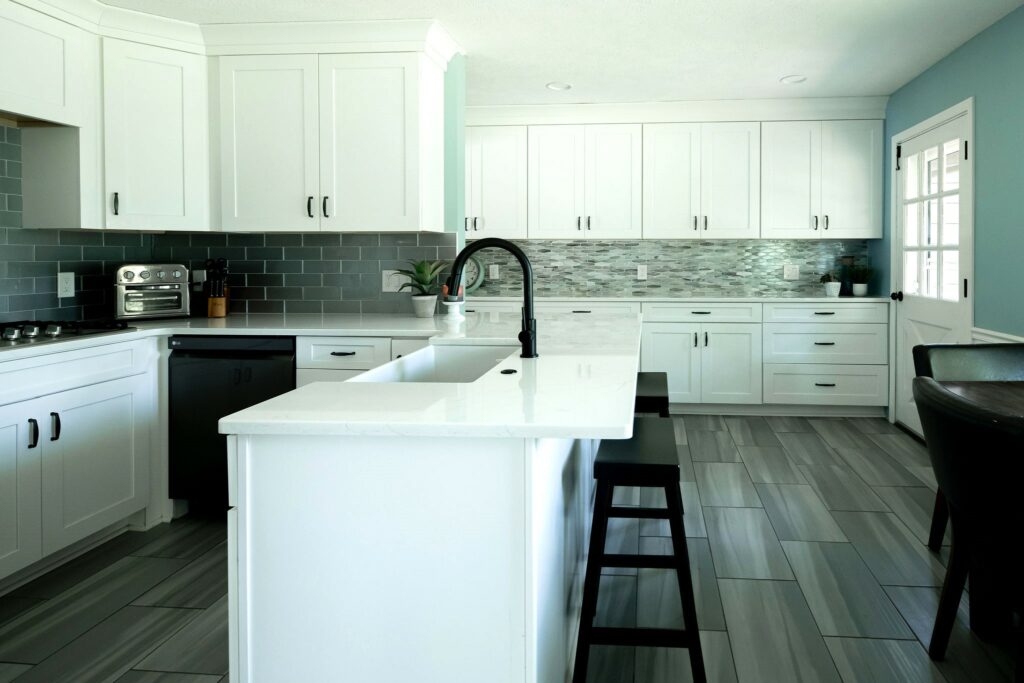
(963, 108)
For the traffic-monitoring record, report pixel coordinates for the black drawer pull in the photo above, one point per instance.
(824, 343)
(823, 384)
(824, 313)
(343, 353)
(33, 438)
(582, 311)
(55, 420)
(701, 312)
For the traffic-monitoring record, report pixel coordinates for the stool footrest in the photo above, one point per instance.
(638, 513)
(642, 637)
(639, 561)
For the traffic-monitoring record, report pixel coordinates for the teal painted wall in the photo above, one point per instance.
(990, 68)
(455, 145)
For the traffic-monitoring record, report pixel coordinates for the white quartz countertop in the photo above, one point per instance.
(740, 299)
(582, 386)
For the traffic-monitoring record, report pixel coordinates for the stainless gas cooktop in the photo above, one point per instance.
(24, 332)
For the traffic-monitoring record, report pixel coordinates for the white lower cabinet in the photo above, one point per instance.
(674, 348)
(20, 515)
(848, 385)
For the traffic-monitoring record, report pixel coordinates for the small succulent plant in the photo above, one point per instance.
(829, 277)
(423, 277)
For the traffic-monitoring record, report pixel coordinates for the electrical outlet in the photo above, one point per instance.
(492, 272)
(791, 271)
(65, 285)
(392, 281)
(641, 272)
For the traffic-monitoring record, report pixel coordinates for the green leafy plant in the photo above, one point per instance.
(861, 275)
(829, 277)
(423, 277)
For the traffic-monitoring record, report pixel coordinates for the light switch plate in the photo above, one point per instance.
(65, 285)
(492, 272)
(641, 272)
(391, 281)
(791, 271)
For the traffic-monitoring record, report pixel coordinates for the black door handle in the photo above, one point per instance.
(694, 222)
(823, 384)
(55, 419)
(824, 343)
(309, 206)
(588, 222)
(323, 206)
(896, 296)
(117, 204)
(826, 221)
(705, 222)
(33, 439)
(815, 222)
(694, 340)
(343, 353)
(578, 223)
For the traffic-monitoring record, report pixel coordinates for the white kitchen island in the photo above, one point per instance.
(428, 522)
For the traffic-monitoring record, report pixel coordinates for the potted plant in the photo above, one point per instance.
(423, 281)
(832, 284)
(861, 276)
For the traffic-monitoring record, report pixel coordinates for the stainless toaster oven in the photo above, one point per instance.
(152, 291)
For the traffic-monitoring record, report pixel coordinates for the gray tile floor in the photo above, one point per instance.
(807, 540)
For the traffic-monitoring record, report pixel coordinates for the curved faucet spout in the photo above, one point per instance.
(528, 334)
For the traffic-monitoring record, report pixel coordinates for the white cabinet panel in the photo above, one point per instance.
(851, 178)
(155, 137)
(847, 343)
(731, 363)
(730, 180)
(20, 520)
(671, 181)
(496, 182)
(555, 181)
(612, 180)
(674, 348)
(269, 143)
(844, 385)
(791, 179)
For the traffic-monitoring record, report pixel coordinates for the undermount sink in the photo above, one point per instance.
(442, 363)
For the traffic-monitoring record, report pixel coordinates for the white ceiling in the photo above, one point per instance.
(657, 50)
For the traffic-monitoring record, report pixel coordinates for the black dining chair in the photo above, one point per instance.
(965, 363)
(976, 456)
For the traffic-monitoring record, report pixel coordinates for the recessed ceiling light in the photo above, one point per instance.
(792, 79)
(558, 85)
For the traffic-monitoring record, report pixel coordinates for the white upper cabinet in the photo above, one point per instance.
(701, 180)
(269, 150)
(155, 137)
(496, 182)
(585, 181)
(822, 179)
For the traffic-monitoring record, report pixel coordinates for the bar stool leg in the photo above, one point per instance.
(674, 502)
(592, 579)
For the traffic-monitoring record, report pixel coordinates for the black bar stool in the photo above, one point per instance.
(651, 393)
(648, 460)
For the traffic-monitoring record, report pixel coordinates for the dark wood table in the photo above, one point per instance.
(999, 397)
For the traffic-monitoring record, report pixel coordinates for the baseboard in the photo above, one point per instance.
(781, 410)
(984, 336)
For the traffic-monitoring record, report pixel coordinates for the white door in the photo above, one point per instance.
(20, 446)
(731, 363)
(269, 149)
(933, 255)
(95, 458)
(496, 182)
(791, 180)
(671, 181)
(369, 166)
(730, 180)
(155, 137)
(612, 177)
(851, 179)
(674, 348)
(555, 182)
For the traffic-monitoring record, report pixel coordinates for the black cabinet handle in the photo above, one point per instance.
(474, 222)
(694, 222)
(343, 353)
(815, 222)
(826, 221)
(588, 222)
(33, 439)
(578, 219)
(701, 312)
(705, 339)
(323, 206)
(823, 384)
(465, 223)
(117, 204)
(694, 340)
(965, 279)
(824, 343)
(581, 311)
(55, 420)
(309, 206)
(824, 313)
(705, 222)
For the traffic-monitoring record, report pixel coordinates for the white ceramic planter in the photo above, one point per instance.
(832, 288)
(424, 305)
(860, 289)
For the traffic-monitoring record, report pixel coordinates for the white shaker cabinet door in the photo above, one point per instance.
(269, 145)
(731, 363)
(851, 179)
(155, 137)
(791, 180)
(20, 512)
(671, 182)
(612, 181)
(496, 182)
(730, 178)
(555, 181)
(675, 349)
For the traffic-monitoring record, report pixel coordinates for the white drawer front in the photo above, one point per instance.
(631, 308)
(826, 343)
(827, 312)
(307, 376)
(341, 353)
(484, 306)
(702, 313)
(840, 385)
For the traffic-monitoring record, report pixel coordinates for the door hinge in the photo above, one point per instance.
(965, 288)
(965, 149)
(899, 153)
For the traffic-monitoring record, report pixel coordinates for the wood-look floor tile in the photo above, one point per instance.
(107, 651)
(890, 551)
(770, 465)
(773, 635)
(610, 664)
(706, 423)
(685, 464)
(842, 594)
(807, 448)
(693, 515)
(968, 658)
(713, 447)
(838, 433)
(679, 426)
(626, 495)
(12, 605)
(926, 474)
(187, 538)
(914, 505)
(658, 601)
(623, 539)
(751, 431)
(617, 601)
(744, 545)
(8, 672)
(797, 513)
(725, 484)
(906, 450)
(841, 489)
(782, 424)
(165, 677)
(672, 665)
(873, 425)
(199, 584)
(44, 629)
(870, 660)
(876, 468)
(200, 647)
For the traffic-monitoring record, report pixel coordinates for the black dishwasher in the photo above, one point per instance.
(210, 377)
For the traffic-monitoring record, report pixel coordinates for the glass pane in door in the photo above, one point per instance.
(930, 229)
(951, 165)
(910, 185)
(912, 224)
(911, 261)
(951, 220)
(931, 170)
(951, 275)
(929, 277)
